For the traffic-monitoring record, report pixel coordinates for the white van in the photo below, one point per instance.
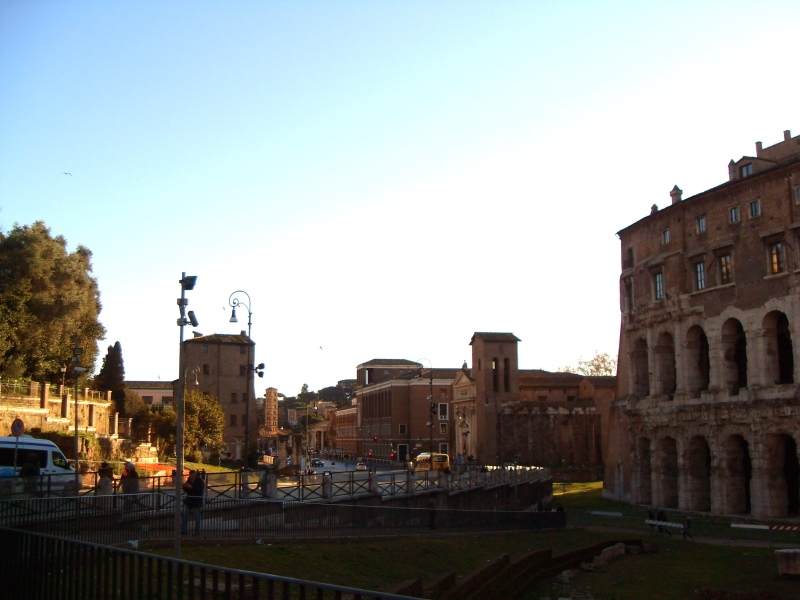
(55, 473)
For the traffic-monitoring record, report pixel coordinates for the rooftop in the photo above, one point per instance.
(490, 336)
(222, 338)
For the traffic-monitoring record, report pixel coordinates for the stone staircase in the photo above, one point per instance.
(502, 579)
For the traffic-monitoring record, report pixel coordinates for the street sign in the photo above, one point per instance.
(17, 428)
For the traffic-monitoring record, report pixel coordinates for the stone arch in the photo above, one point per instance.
(698, 364)
(738, 475)
(669, 473)
(664, 358)
(641, 369)
(778, 350)
(698, 466)
(645, 472)
(734, 352)
(506, 375)
(782, 475)
(495, 375)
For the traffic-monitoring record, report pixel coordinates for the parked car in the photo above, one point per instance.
(362, 466)
(316, 462)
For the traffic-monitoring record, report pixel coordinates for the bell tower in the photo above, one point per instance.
(495, 368)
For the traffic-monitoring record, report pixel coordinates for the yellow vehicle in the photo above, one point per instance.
(423, 462)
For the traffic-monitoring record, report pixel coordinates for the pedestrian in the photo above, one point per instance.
(29, 471)
(651, 517)
(687, 528)
(662, 518)
(193, 502)
(105, 482)
(129, 479)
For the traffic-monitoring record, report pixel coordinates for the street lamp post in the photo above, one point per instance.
(77, 370)
(234, 303)
(187, 284)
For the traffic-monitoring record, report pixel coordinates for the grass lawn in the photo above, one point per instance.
(675, 571)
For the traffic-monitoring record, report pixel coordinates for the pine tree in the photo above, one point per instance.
(112, 377)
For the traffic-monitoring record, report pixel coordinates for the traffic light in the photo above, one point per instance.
(391, 455)
(374, 438)
(369, 453)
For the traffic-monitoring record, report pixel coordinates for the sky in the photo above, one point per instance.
(382, 178)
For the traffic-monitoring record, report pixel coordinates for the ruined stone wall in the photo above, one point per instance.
(551, 436)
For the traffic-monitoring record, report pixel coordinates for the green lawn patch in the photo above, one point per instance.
(676, 571)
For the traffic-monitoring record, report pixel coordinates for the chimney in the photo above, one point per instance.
(759, 146)
(244, 332)
(731, 170)
(654, 209)
(787, 135)
(675, 194)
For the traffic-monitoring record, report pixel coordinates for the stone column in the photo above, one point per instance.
(65, 406)
(44, 395)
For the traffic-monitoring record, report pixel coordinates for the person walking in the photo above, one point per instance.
(687, 528)
(663, 519)
(193, 502)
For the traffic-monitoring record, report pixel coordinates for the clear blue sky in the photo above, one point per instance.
(383, 178)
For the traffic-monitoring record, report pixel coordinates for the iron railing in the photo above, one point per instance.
(297, 488)
(116, 519)
(37, 566)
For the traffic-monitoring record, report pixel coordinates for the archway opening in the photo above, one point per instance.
(669, 473)
(645, 477)
(739, 474)
(779, 353)
(734, 348)
(641, 369)
(699, 469)
(698, 363)
(665, 364)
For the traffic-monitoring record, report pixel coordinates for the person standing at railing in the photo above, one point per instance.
(29, 471)
(105, 483)
(193, 502)
(129, 479)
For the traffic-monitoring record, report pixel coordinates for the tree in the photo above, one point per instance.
(204, 423)
(48, 301)
(112, 377)
(601, 364)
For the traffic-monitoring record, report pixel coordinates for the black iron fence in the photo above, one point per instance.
(116, 519)
(37, 566)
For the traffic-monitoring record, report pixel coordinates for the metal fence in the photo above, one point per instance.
(37, 566)
(731, 529)
(116, 519)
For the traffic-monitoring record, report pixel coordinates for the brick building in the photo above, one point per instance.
(493, 412)
(152, 393)
(220, 361)
(707, 416)
(502, 413)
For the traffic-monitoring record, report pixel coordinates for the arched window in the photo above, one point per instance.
(669, 473)
(738, 475)
(698, 459)
(495, 375)
(506, 375)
